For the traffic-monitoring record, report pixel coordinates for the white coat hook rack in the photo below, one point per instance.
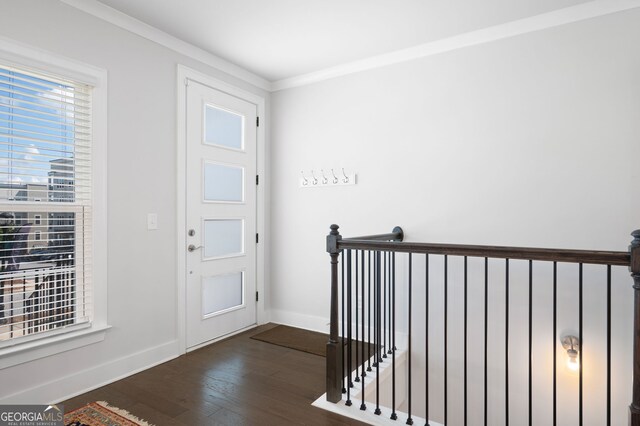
(338, 177)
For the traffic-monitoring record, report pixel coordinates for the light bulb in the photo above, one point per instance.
(573, 363)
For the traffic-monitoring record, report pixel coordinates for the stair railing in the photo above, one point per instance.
(369, 275)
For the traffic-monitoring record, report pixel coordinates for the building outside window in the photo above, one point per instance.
(45, 203)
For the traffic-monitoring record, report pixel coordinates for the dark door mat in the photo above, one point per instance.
(295, 338)
(303, 340)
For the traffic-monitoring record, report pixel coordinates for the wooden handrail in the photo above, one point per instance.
(621, 258)
(396, 235)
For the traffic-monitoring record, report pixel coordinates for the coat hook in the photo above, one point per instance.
(335, 178)
(306, 181)
(315, 179)
(346, 178)
(324, 178)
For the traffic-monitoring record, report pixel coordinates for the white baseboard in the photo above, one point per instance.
(295, 319)
(78, 383)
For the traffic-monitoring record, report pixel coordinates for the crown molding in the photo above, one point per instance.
(580, 12)
(135, 26)
(540, 22)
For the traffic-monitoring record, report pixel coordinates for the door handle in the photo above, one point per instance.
(193, 248)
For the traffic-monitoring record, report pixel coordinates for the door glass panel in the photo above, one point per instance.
(222, 292)
(223, 128)
(223, 183)
(223, 237)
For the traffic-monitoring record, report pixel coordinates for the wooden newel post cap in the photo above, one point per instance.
(332, 240)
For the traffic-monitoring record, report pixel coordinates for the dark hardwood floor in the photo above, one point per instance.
(238, 381)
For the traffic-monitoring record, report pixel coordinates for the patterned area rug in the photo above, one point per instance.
(100, 413)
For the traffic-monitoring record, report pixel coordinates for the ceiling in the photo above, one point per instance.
(280, 39)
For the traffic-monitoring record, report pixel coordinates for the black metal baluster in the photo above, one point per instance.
(486, 333)
(581, 344)
(394, 347)
(349, 292)
(426, 341)
(378, 331)
(392, 343)
(393, 276)
(446, 305)
(369, 307)
(363, 406)
(506, 345)
(555, 338)
(390, 350)
(409, 352)
(530, 341)
(342, 348)
(376, 319)
(465, 341)
(355, 290)
(363, 317)
(608, 345)
(384, 307)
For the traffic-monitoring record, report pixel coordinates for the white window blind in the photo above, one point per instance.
(45, 204)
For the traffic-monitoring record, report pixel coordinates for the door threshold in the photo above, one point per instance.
(223, 337)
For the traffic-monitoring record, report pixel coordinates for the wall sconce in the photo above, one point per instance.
(572, 345)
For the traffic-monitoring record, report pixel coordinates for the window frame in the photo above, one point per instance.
(22, 56)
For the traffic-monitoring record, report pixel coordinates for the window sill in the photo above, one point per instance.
(41, 348)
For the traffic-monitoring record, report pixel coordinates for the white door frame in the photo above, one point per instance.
(184, 75)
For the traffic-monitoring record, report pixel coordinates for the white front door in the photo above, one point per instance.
(220, 214)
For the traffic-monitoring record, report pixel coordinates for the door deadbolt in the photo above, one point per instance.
(192, 232)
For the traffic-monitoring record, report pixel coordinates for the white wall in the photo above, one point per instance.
(141, 179)
(527, 141)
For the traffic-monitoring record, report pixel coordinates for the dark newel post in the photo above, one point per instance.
(634, 267)
(334, 381)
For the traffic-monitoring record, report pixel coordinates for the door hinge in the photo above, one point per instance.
(257, 238)
(186, 82)
(257, 179)
(257, 121)
(257, 298)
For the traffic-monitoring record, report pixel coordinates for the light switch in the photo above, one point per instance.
(152, 221)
